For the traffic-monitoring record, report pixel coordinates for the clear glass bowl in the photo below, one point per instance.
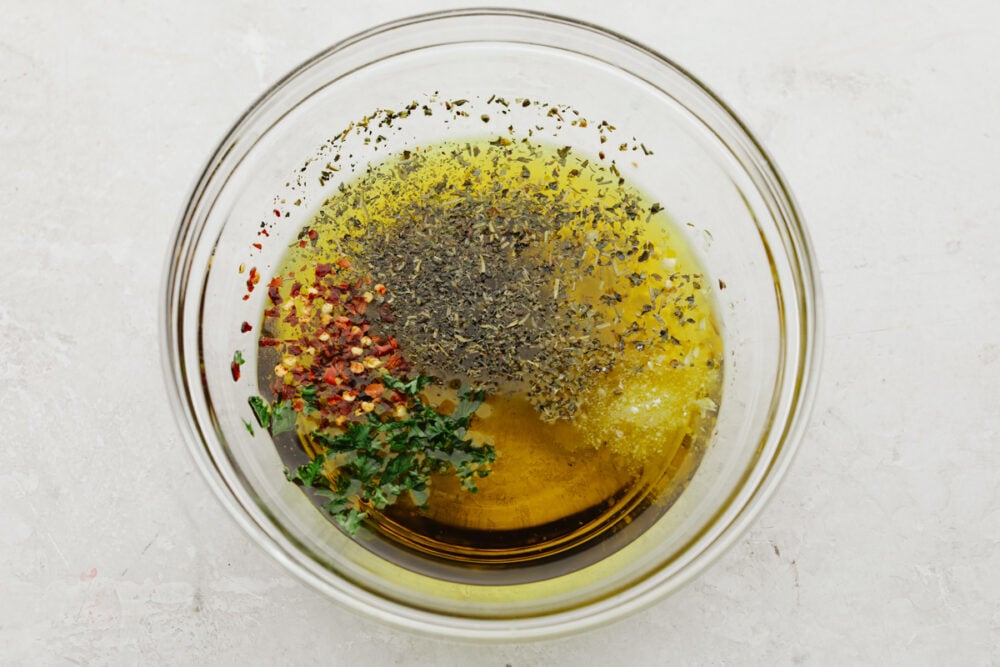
(711, 175)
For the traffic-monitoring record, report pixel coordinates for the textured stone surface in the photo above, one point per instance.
(882, 547)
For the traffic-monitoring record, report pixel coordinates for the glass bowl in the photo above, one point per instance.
(712, 176)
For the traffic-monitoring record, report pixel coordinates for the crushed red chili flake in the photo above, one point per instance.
(396, 361)
(253, 279)
(258, 246)
(332, 375)
(387, 348)
(245, 327)
(234, 367)
(277, 213)
(334, 364)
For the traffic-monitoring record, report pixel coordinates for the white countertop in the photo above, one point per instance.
(883, 546)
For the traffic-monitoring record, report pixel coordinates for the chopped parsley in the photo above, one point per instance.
(374, 462)
(278, 419)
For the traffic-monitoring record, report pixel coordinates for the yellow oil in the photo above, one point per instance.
(563, 492)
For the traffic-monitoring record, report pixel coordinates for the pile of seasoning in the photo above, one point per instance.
(512, 265)
(333, 366)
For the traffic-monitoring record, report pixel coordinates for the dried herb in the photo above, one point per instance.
(499, 272)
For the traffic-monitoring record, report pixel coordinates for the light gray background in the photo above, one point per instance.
(882, 547)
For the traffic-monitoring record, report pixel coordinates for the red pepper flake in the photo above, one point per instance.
(245, 327)
(313, 235)
(253, 279)
(263, 232)
(345, 360)
(395, 361)
(235, 366)
(246, 297)
(382, 350)
(277, 213)
(275, 282)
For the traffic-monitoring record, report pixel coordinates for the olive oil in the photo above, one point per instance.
(569, 297)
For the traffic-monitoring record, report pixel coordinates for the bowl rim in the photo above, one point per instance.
(799, 254)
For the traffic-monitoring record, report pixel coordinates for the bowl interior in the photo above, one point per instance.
(697, 160)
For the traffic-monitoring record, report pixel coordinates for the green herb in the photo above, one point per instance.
(261, 410)
(249, 426)
(279, 419)
(238, 358)
(282, 417)
(373, 463)
(308, 395)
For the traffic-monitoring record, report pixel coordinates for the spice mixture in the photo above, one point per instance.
(489, 308)
(512, 266)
